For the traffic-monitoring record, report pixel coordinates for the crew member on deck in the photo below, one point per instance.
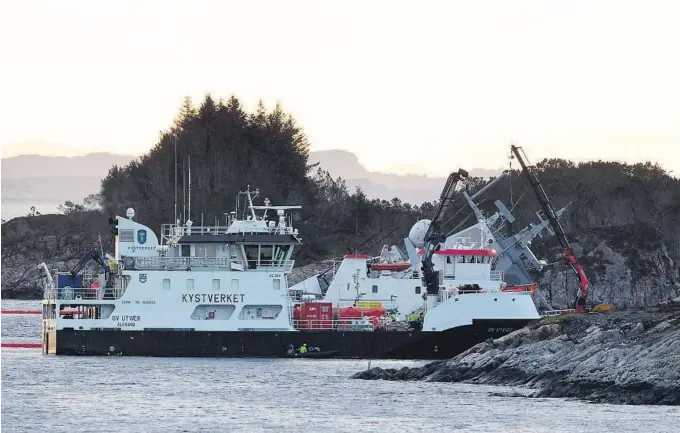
(303, 348)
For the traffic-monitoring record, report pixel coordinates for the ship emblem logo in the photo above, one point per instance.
(142, 278)
(67, 293)
(141, 236)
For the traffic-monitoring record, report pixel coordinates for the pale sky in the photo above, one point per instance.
(435, 85)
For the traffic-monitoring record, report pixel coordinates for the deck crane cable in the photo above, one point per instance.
(532, 178)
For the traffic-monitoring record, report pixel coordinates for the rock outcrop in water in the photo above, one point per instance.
(629, 357)
(58, 240)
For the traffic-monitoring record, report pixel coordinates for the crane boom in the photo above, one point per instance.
(549, 212)
(434, 236)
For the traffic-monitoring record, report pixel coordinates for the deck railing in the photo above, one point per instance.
(348, 324)
(83, 294)
(207, 263)
(173, 232)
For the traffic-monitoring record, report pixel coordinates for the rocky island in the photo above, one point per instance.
(618, 357)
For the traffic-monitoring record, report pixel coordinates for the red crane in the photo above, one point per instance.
(532, 177)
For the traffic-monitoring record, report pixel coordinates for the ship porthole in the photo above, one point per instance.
(495, 299)
(111, 348)
(456, 299)
(513, 299)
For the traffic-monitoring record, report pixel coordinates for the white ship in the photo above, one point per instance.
(468, 261)
(222, 291)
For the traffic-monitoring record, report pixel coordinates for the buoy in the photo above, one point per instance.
(23, 345)
(21, 312)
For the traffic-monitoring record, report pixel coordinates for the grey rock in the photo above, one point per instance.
(585, 356)
(637, 330)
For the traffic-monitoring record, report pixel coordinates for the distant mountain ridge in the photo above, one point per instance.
(47, 181)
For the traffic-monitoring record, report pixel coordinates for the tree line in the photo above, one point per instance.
(229, 148)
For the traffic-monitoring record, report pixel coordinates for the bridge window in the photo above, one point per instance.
(417, 290)
(186, 251)
(266, 254)
(190, 284)
(375, 289)
(251, 255)
(216, 284)
(281, 252)
(166, 283)
(205, 250)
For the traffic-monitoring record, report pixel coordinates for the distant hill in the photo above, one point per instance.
(90, 165)
(410, 188)
(47, 181)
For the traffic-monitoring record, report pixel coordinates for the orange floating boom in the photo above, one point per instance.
(21, 312)
(23, 345)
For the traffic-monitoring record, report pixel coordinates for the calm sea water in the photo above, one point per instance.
(119, 394)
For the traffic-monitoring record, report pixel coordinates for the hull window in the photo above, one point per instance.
(277, 284)
(375, 289)
(234, 284)
(216, 284)
(190, 284)
(166, 283)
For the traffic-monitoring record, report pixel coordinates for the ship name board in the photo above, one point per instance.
(125, 321)
(492, 330)
(214, 298)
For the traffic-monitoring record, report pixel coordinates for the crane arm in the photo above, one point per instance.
(434, 236)
(549, 212)
(90, 255)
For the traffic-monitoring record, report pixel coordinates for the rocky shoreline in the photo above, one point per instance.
(619, 357)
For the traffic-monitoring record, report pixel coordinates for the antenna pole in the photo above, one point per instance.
(175, 178)
(189, 186)
(184, 190)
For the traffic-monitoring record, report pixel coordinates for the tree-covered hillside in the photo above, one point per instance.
(624, 219)
(229, 148)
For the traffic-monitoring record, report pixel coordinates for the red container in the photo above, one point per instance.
(316, 315)
(349, 312)
(361, 312)
(325, 315)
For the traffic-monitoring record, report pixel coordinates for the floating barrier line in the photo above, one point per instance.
(21, 312)
(23, 345)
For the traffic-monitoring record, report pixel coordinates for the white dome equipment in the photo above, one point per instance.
(417, 233)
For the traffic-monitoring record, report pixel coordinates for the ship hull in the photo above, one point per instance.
(427, 345)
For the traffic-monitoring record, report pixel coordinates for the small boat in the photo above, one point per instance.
(315, 354)
(394, 267)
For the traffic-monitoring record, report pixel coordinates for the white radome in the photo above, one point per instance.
(417, 233)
